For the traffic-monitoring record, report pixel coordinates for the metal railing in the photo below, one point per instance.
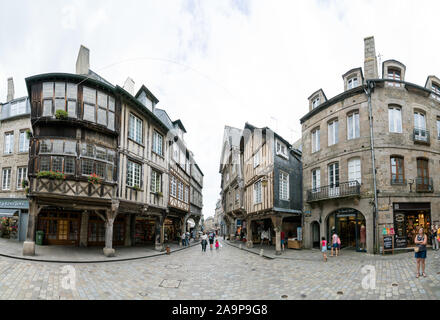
(343, 189)
(421, 135)
(398, 181)
(424, 185)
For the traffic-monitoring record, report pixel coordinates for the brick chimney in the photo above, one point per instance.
(129, 86)
(370, 63)
(83, 61)
(11, 90)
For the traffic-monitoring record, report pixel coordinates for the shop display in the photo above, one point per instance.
(9, 227)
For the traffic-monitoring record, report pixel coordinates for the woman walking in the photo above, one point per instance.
(420, 251)
(204, 238)
(211, 240)
(336, 242)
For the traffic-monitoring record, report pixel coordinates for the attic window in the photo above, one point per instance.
(352, 83)
(315, 102)
(281, 149)
(394, 74)
(435, 88)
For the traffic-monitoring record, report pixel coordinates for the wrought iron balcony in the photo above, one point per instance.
(341, 190)
(424, 185)
(398, 181)
(421, 135)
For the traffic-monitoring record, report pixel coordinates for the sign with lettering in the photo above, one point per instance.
(401, 242)
(388, 243)
(14, 204)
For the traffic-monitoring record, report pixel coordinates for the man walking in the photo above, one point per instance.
(183, 236)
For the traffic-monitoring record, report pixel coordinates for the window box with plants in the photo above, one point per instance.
(137, 188)
(61, 114)
(158, 194)
(53, 175)
(94, 179)
(25, 186)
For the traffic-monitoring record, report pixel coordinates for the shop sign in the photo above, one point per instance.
(388, 243)
(14, 204)
(401, 242)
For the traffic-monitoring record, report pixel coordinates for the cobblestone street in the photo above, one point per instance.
(229, 273)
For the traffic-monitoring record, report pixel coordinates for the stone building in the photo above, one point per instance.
(381, 122)
(100, 165)
(15, 129)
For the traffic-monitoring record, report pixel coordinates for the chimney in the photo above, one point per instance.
(370, 63)
(83, 61)
(11, 90)
(129, 86)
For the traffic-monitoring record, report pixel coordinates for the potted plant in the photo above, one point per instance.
(136, 187)
(94, 179)
(61, 114)
(159, 194)
(24, 184)
(29, 134)
(51, 175)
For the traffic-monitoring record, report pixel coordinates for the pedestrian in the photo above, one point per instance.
(434, 234)
(183, 236)
(335, 244)
(217, 244)
(324, 249)
(188, 235)
(211, 240)
(438, 236)
(204, 238)
(282, 240)
(420, 251)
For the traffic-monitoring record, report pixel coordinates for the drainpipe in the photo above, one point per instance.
(370, 86)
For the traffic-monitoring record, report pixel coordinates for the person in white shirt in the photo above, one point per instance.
(183, 239)
(204, 238)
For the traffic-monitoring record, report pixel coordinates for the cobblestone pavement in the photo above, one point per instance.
(229, 273)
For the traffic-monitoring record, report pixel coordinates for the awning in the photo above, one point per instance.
(7, 212)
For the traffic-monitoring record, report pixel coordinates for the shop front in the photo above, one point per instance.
(14, 218)
(145, 231)
(262, 231)
(171, 230)
(350, 225)
(60, 227)
(408, 218)
(96, 231)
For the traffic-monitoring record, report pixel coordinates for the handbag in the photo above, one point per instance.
(416, 249)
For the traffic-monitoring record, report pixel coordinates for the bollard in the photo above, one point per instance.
(168, 250)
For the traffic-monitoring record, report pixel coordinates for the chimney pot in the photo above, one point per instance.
(370, 62)
(11, 91)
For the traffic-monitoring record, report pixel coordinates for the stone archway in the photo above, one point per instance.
(347, 223)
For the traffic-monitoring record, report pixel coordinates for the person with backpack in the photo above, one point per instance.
(336, 243)
(211, 240)
(204, 242)
(324, 249)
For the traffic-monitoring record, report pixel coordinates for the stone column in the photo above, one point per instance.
(127, 240)
(277, 223)
(110, 218)
(249, 238)
(84, 229)
(159, 234)
(29, 244)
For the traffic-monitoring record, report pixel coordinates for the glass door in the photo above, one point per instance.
(333, 179)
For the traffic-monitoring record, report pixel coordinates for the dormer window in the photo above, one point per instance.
(394, 74)
(315, 102)
(281, 149)
(435, 88)
(353, 83)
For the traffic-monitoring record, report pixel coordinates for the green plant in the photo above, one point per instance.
(94, 179)
(28, 134)
(51, 175)
(26, 190)
(61, 114)
(160, 194)
(137, 188)
(24, 184)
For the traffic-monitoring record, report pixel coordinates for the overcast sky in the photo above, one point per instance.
(216, 63)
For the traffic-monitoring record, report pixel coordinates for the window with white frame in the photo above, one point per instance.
(94, 159)
(186, 194)
(99, 107)
(257, 192)
(60, 96)
(176, 152)
(316, 179)
(257, 159)
(157, 143)
(180, 190)
(333, 130)
(173, 186)
(353, 128)
(420, 127)
(315, 102)
(156, 181)
(354, 170)
(23, 142)
(333, 175)
(9, 142)
(352, 83)
(21, 176)
(135, 128)
(394, 74)
(134, 172)
(281, 149)
(395, 119)
(435, 88)
(284, 186)
(316, 140)
(6, 179)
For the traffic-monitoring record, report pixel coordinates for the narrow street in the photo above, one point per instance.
(229, 273)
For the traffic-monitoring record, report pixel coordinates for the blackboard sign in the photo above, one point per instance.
(401, 242)
(388, 243)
